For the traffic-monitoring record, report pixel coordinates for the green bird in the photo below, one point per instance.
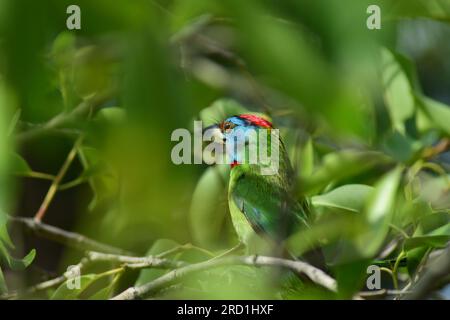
(261, 201)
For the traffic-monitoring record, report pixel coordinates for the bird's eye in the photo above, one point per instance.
(227, 126)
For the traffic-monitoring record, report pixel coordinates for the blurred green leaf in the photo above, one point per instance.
(307, 158)
(401, 147)
(19, 165)
(220, 110)
(432, 223)
(104, 182)
(158, 247)
(21, 264)
(379, 213)
(209, 206)
(111, 115)
(64, 292)
(93, 71)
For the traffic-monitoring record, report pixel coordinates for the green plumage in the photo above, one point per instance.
(264, 204)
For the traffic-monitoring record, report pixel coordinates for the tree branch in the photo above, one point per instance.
(135, 262)
(316, 275)
(70, 239)
(62, 119)
(430, 279)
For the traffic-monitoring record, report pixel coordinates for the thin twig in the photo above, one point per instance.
(56, 182)
(316, 275)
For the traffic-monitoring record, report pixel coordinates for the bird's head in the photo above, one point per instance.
(239, 123)
(238, 127)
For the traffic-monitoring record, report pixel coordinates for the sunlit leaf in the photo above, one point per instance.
(437, 112)
(350, 197)
(438, 241)
(398, 91)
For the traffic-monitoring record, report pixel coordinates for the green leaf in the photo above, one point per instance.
(19, 165)
(351, 197)
(21, 264)
(398, 94)
(437, 112)
(438, 241)
(66, 292)
(3, 287)
(414, 257)
(337, 166)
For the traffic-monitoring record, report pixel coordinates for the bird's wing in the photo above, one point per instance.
(267, 206)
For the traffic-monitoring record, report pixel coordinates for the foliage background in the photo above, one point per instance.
(364, 114)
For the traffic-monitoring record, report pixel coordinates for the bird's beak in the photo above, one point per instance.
(214, 133)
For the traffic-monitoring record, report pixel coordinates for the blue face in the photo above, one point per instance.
(235, 131)
(234, 125)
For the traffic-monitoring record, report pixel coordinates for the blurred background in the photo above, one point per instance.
(86, 118)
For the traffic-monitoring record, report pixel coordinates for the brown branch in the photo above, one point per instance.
(299, 267)
(70, 239)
